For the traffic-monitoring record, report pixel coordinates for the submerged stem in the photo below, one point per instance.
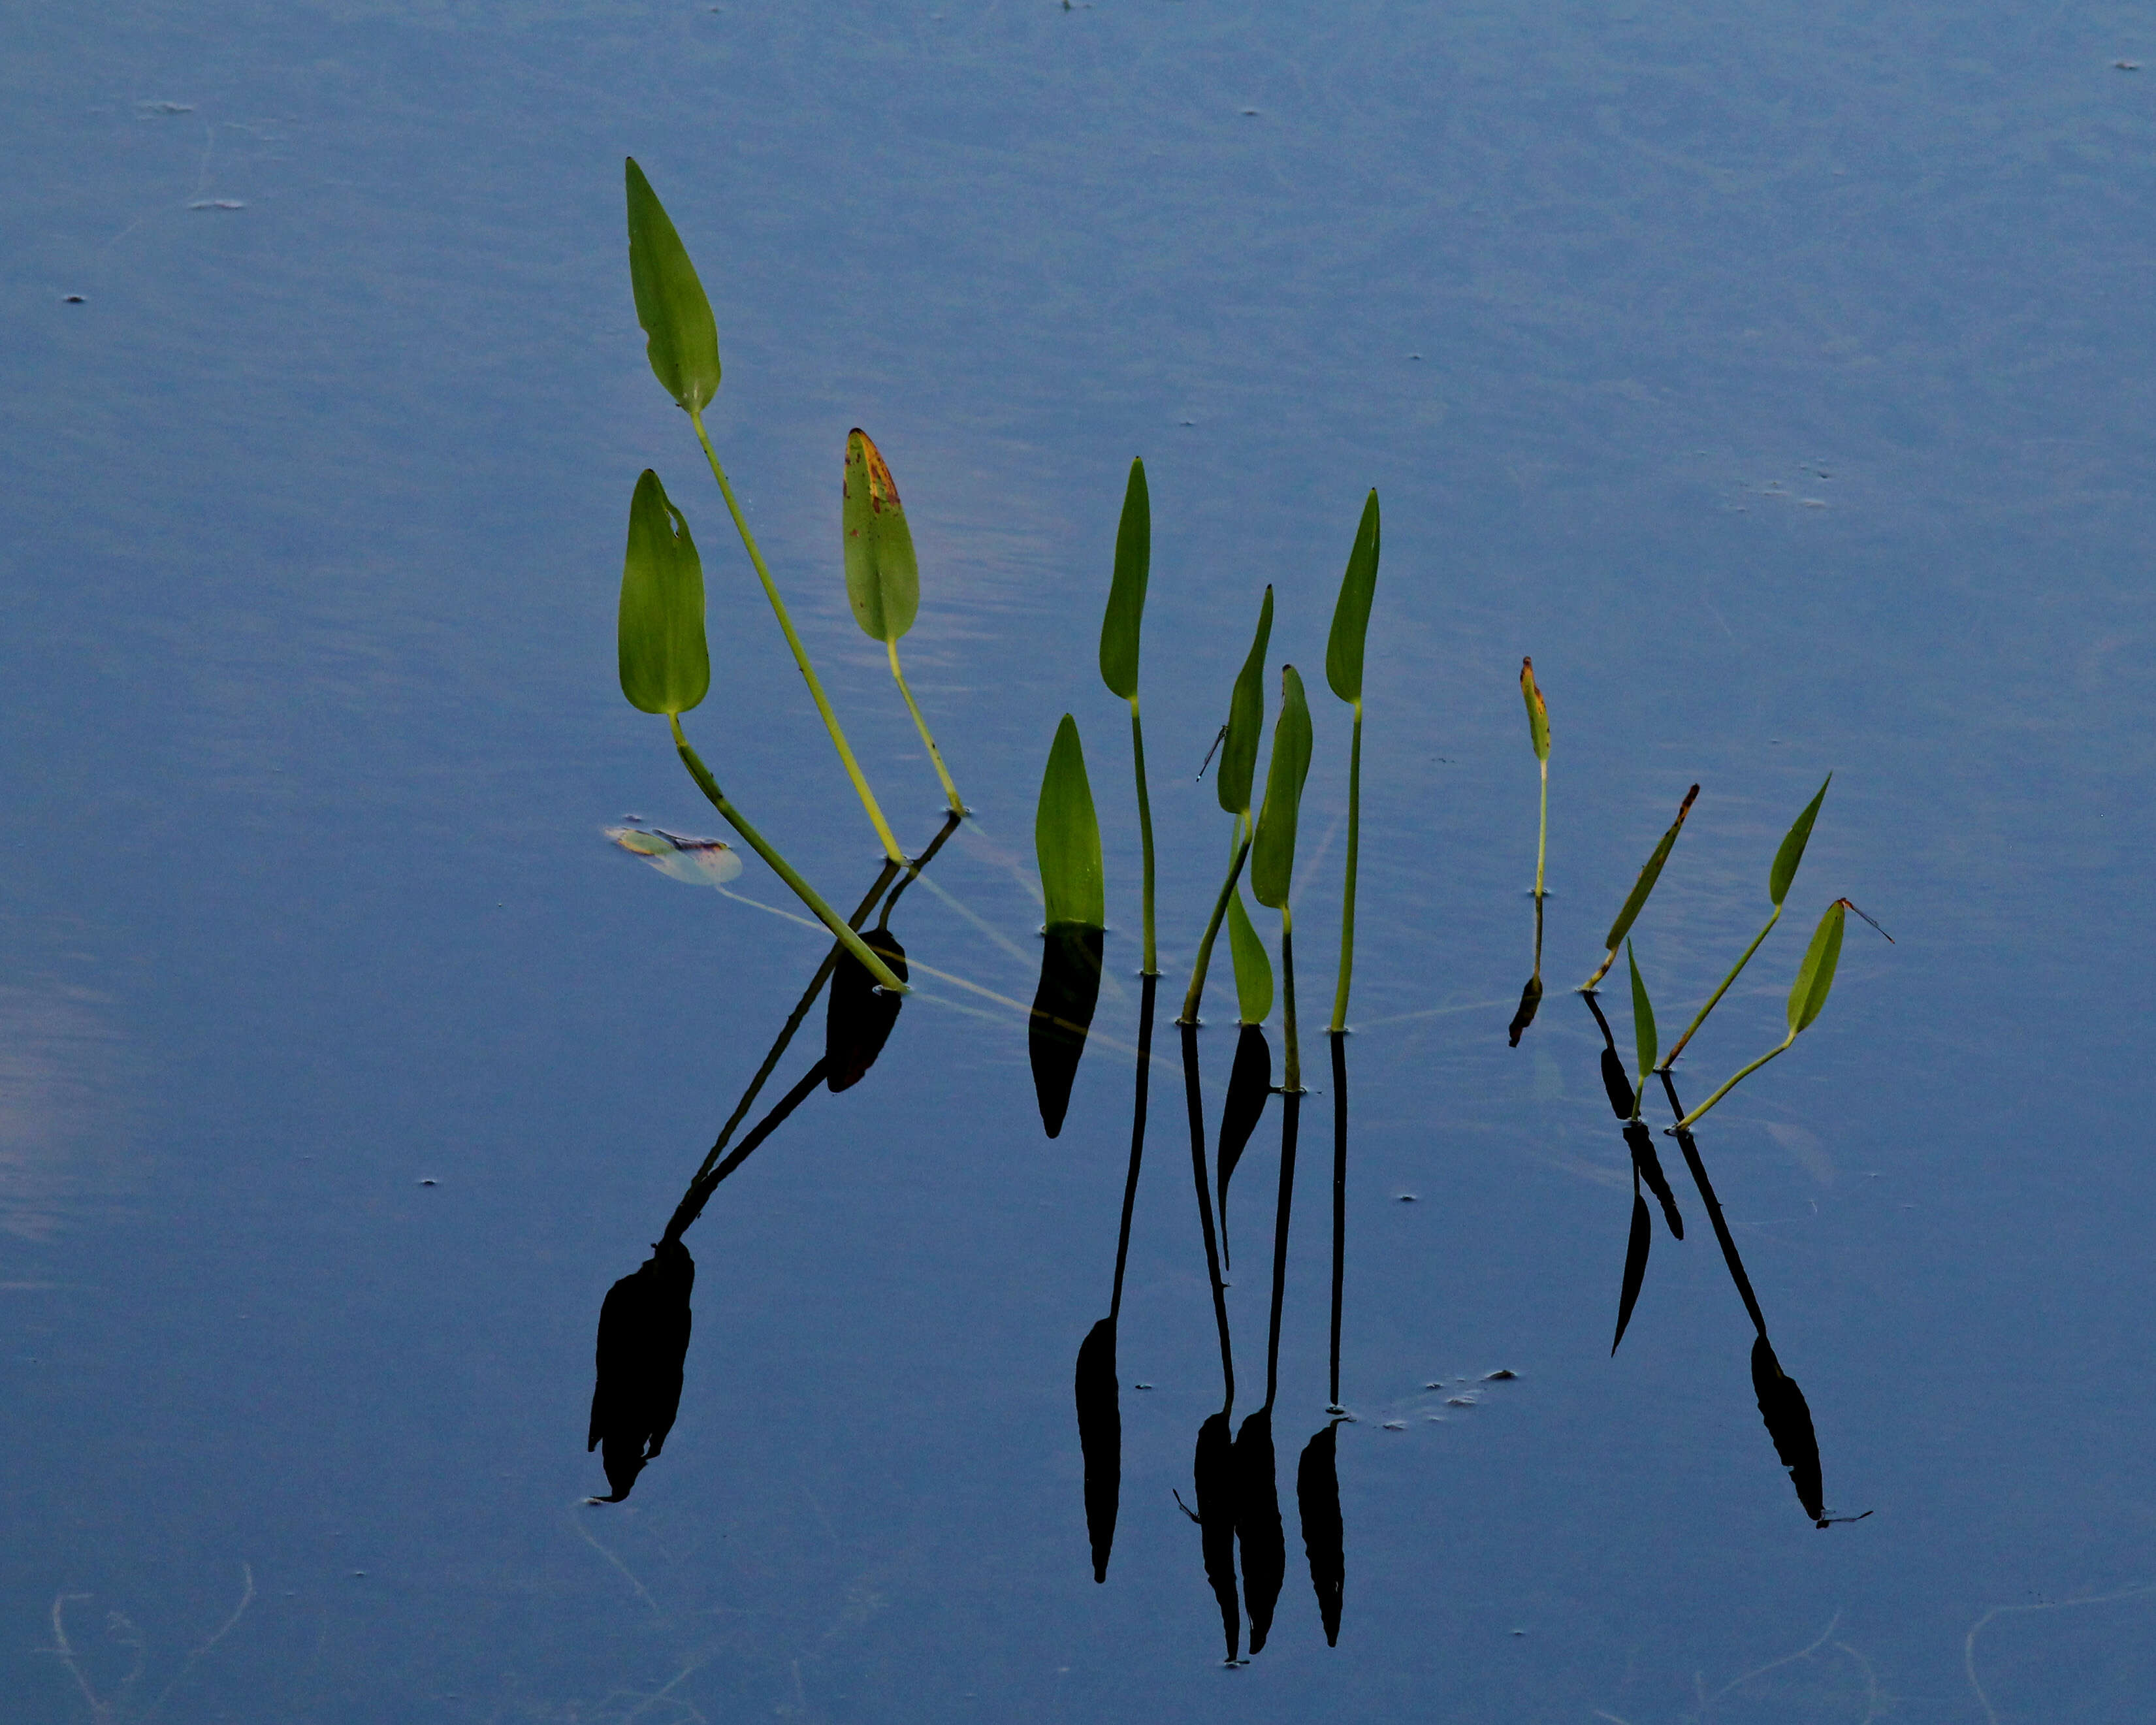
(1146, 988)
(1699, 1018)
(1339, 1041)
(1348, 894)
(1291, 1120)
(785, 870)
(884, 834)
(1194, 1103)
(920, 724)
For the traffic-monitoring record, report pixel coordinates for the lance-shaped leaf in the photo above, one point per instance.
(883, 580)
(680, 337)
(1643, 1018)
(1815, 975)
(1537, 709)
(642, 1342)
(859, 1015)
(1792, 851)
(1649, 874)
(665, 667)
(1212, 1476)
(1272, 848)
(1249, 1083)
(1066, 836)
(1246, 720)
(1062, 1004)
(1650, 1165)
(1254, 970)
(1258, 1529)
(1622, 1100)
(1351, 612)
(1126, 590)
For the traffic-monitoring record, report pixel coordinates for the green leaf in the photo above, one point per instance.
(1537, 709)
(1126, 589)
(1246, 720)
(1649, 874)
(1272, 848)
(680, 337)
(665, 667)
(1350, 612)
(1793, 848)
(1254, 970)
(1643, 1018)
(1066, 837)
(883, 580)
(1815, 975)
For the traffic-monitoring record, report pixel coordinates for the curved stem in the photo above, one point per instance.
(779, 866)
(1699, 1018)
(1691, 1119)
(1204, 960)
(884, 834)
(920, 724)
(1147, 988)
(1194, 1105)
(1347, 897)
(1145, 835)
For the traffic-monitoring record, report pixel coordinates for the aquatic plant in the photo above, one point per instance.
(1635, 901)
(1808, 995)
(665, 668)
(1538, 737)
(883, 576)
(682, 342)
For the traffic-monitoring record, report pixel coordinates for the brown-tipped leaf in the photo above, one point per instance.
(883, 578)
(1649, 874)
(1537, 709)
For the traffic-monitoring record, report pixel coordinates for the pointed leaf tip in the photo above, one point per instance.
(1246, 720)
(1643, 1018)
(1351, 612)
(1122, 623)
(1792, 850)
(1066, 836)
(883, 579)
(680, 339)
(1815, 975)
(666, 665)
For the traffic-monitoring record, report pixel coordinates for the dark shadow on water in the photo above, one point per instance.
(1258, 1524)
(1249, 1084)
(1099, 1439)
(859, 1016)
(644, 1340)
(1213, 1474)
(1324, 1535)
(1531, 997)
(1062, 1013)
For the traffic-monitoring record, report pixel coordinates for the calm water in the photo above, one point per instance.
(1777, 379)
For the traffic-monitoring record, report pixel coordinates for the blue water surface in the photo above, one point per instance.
(1777, 377)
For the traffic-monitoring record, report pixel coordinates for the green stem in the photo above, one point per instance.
(1145, 835)
(1213, 923)
(1541, 841)
(779, 866)
(1347, 897)
(1291, 1078)
(920, 724)
(1699, 1018)
(800, 653)
(1691, 1119)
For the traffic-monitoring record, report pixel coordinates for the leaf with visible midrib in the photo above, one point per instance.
(1254, 970)
(1350, 612)
(883, 580)
(1815, 975)
(665, 666)
(1126, 589)
(680, 339)
(1792, 851)
(1272, 849)
(1246, 720)
(1643, 1018)
(1066, 836)
(1649, 874)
